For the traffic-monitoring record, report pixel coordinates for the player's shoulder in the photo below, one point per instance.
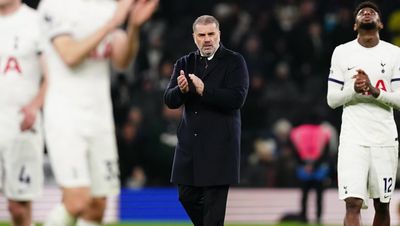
(389, 50)
(28, 10)
(44, 4)
(346, 47)
(27, 16)
(60, 6)
(388, 46)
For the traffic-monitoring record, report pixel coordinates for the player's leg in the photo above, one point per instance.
(74, 203)
(94, 214)
(382, 181)
(23, 175)
(382, 215)
(353, 216)
(104, 174)
(21, 212)
(353, 167)
(76, 200)
(68, 157)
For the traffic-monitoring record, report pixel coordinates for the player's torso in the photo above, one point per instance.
(379, 63)
(85, 17)
(19, 56)
(81, 94)
(20, 73)
(365, 120)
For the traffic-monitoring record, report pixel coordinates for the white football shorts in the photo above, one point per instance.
(367, 172)
(83, 158)
(21, 165)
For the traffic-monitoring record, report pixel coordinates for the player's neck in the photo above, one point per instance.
(9, 8)
(368, 39)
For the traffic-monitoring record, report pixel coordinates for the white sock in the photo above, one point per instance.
(83, 222)
(59, 216)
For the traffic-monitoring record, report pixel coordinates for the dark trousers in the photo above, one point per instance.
(204, 205)
(305, 188)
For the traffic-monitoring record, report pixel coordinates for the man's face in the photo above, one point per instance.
(367, 19)
(206, 37)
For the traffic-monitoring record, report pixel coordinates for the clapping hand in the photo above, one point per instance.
(141, 11)
(182, 82)
(121, 13)
(362, 83)
(198, 84)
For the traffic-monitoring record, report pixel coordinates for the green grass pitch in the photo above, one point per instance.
(188, 224)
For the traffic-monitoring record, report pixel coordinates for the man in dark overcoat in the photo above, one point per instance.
(211, 84)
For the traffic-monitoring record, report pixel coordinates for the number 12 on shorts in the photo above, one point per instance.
(388, 184)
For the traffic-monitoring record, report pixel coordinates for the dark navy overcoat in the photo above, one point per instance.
(208, 149)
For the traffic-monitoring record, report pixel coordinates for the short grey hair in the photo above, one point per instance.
(205, 19)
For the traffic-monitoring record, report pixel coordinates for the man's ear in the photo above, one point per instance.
(380, 25)
(355, 27)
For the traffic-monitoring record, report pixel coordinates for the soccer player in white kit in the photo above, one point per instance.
(365, 79)
(22, 88)
(82, 39)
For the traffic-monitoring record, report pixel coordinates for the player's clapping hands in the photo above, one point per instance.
(141, 11)
(120, 15)
(363, 85)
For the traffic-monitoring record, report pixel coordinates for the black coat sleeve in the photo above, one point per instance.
(234, 94)
(173, 97)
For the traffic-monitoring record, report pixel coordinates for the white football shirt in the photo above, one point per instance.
(20, 71)
(80, 94)
(365, 120)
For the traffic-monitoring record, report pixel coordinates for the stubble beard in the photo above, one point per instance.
(207, 53)
(368, 26)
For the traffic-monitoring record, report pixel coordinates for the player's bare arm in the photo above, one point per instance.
(30, 110)
(73, 51)
(126, 44)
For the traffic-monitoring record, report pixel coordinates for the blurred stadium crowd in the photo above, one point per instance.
(287, 45)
